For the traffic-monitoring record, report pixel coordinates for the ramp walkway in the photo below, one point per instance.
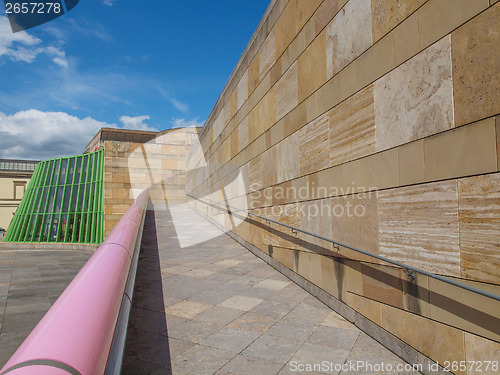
(216, 308)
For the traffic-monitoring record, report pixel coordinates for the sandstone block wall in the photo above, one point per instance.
(375, 123)
(131, 167)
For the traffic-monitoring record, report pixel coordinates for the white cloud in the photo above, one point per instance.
(136, 123)
(183, 123)
(34, 134)
(183, 107)
(108, 2)
(24, 47)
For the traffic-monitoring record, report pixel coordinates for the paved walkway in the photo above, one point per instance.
(30, 282)
(215, 308)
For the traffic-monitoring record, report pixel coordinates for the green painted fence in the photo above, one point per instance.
(63, 202)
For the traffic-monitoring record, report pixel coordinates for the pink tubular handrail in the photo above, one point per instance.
(76, 334)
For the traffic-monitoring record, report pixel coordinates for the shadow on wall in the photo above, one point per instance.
(147, 348)
(382, 284)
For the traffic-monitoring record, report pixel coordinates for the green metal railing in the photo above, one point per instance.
(63, 202)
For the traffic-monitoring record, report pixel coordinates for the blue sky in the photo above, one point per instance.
(150, 65)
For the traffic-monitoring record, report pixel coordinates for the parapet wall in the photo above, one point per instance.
(131, 167)
(375, 123)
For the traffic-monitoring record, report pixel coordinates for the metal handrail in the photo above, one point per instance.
(406, 267)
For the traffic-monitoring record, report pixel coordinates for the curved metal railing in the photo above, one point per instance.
(83, 333)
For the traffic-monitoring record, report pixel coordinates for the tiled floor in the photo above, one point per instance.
(215, 308)
(30, 282)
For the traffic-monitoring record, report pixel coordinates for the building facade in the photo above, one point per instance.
(14, 178)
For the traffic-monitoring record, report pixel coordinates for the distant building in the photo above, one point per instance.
(14, 178)
(79, 199)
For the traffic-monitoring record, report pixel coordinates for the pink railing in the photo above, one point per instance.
(76, 334)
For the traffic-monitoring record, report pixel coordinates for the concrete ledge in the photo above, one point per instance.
(387, 339)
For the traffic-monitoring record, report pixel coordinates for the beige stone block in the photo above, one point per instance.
(314, 146)
(287, 92)
(352, 127)
(418, 225)
(243, 134)
(262, 116)
(368, 308)
(348, 35)
(281, 192)
(296, 119)
(376, 61)
(497, 122)
(254, 74)
(411, 163)
(284, 256)
(277, 132)
(234, 143)
(416, 294)
(353, 215)
(383, 284)
(416, 99)
(276, 72)
(352, 277)
(406, 39)
(476, 67)
(312, 67)
(437, 18)
(479, 214)
(284, 28)
(242, 90)
(255, 174)
(267, 54)
(288, 158)
(374, 172)
(465, 310)
(325, 13)
(330, 274)
(305, 10)
(329, 183)
(347, 84)
(324, 99)
(435, 340)
(316, 218)
(309, 266)
(387, 14)
(269, 166)
(464, 151)
(478, 351)
(301, 189)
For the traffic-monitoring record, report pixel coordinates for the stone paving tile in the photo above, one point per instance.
(253, 322)
(273, 284)
(335, 320)
(221, 310)
(201, 360)
(273, 348)
(315, 354)
(187, 309)
(30, 282)
(336, 338)
(231, 339)
(220, 316)
(241, 302)
(367, 350)
(245, 365)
